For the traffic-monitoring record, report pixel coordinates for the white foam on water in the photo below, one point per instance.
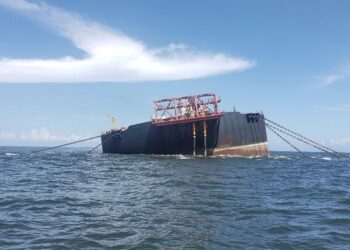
(281, 157)
(179, 156)
(326, 158)
(10, 154)
(184, 157)
(191, 157)
(237, 156)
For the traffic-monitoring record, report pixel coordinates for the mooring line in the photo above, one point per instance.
(316, 144)
(290, 144)
(94, 148)
(308, 142)
(66, 144)
(302, 140)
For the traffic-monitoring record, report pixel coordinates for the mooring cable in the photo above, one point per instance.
(94, 148)
(325, 148)
(304, 141)
(300, 139)
(290, 144)
(66, 144)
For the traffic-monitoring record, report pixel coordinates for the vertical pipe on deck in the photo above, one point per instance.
(205, 137)
(194, 138)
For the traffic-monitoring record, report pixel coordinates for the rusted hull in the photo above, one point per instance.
(242, 135)
(258, 149)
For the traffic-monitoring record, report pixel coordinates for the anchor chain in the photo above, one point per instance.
(312, 141)
(304, 139)
(66, 144)
(110, 137)
(289, 143)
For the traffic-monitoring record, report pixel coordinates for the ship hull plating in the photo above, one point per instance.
(231, 134)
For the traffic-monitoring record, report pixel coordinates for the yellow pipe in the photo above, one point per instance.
(194, 138)
(205, 137)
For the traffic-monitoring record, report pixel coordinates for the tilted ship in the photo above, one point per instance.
(191, 125)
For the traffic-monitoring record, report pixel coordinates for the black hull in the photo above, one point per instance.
(232, 134)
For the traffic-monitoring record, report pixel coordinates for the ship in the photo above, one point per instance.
(191, 125)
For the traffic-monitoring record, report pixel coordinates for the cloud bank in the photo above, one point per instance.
(41, 134)
(110, 55)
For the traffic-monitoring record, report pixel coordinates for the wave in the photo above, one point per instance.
(10, 154)
(281, 157)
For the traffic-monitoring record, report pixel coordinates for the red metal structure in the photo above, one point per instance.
(186, 109)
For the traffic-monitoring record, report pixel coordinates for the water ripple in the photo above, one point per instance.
(70, 199)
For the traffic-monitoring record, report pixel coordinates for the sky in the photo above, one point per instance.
(65, 66)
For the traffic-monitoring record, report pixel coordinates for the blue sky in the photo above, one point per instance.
(289, 59)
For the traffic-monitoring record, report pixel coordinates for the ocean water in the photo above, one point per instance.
(71, 199)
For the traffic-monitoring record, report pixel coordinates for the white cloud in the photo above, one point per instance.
(41, 134)
(327, 80)
(332, 78)
(110, 55)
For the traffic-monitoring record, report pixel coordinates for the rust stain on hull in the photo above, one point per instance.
(258, 149)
